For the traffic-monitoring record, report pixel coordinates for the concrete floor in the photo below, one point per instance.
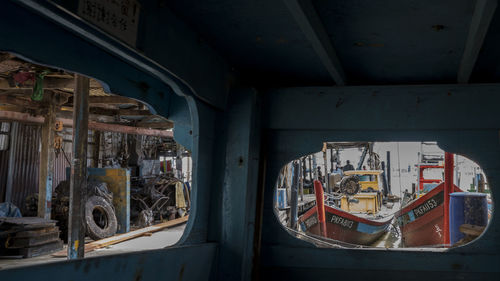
(160, 239)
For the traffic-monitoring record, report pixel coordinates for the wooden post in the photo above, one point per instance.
(78, 185)
(448, 188)
(480, 184)
(46, 172)
(301, 178)
(294, 200)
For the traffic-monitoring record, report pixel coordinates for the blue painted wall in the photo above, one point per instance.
(233, 233)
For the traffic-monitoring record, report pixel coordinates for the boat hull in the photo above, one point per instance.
(343, 226)
(421, 221)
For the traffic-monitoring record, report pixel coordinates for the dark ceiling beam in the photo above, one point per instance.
(481, 19)
(307, 18)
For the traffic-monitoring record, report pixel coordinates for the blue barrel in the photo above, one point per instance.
(466, 208)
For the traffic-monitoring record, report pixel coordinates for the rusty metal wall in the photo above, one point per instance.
(26, 163)
(60, 165)
(4, 162)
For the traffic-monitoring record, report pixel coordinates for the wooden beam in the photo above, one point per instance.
(27, 118)
(49, 83)
(112, 100)
(112, 112)
(156, 125)
(15, 91)
(109, 100)
(119, 112)
(309, 22)
(78, 182)
(481, 19)
(6, 99)
(46, 171)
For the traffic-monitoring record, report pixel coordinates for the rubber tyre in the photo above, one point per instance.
(350, 185)
(94, 231)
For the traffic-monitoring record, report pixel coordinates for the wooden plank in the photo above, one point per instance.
(41, 249)
(31, 233)
(156, 125)
(112, 100)
(25, 221)
(28, 242)
(119, 112)
(25, 117)
(49, 82)
(473, 230)
(126, 236)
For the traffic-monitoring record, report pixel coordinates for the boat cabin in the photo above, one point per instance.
(369, 181)
(251, 85)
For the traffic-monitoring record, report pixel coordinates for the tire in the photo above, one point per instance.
(350, 185)
(106, 225)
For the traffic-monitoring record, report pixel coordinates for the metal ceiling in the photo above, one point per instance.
(377, 42)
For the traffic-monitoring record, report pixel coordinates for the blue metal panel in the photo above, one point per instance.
(440, 113)
(118, 182)
(176, 263)
(239, 196)
(170, 44)
(296, 122)
(423, 107)
(133, 75)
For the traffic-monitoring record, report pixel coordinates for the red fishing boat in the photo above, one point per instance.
(424, 222)
(333, 224)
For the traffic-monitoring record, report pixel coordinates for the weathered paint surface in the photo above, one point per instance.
(118, 182)
(176, 263)
(295, 122)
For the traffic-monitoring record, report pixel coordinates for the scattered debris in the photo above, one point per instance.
(147, 231)
(28, 237)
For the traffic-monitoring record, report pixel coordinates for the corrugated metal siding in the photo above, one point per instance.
(26, 164)
(60, 165)
(27, 158)
(4, 162)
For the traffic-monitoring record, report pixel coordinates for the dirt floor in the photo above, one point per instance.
(160, 239)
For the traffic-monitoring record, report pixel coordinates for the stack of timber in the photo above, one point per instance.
(28, 237)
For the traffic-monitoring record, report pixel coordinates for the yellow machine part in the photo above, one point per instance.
(367, 203)
(367, 184)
